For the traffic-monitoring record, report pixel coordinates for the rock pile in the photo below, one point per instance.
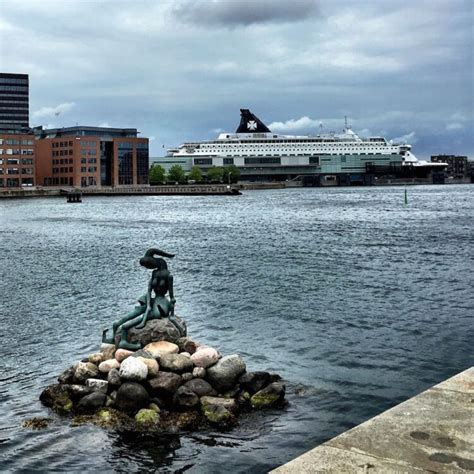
(172, 382)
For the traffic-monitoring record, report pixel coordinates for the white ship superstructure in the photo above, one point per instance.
(254, 148)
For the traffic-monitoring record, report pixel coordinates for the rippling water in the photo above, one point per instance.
(356, 300)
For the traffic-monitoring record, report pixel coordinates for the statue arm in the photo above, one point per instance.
(171, 292)
(148, 304)
(170, 287)
(148, 294)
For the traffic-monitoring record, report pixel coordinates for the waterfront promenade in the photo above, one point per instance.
(431, 432)
(163, 190)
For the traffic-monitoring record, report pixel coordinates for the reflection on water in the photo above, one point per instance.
(356, 300)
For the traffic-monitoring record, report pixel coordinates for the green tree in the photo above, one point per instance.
(233, 172)
(195, 174)
(176, 174)
(215, 174)
(156, 175)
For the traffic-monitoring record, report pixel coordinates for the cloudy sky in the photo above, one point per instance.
(180, 70)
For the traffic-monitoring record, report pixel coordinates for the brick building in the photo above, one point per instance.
(17, 160)
(91, 156)
(458, 166)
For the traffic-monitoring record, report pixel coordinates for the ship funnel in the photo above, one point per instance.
(250, 123)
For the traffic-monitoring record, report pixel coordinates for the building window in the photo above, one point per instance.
(228, 161)
(125, 162)
(142, 163)
(314, 160)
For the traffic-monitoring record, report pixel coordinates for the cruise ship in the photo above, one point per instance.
(261, 154)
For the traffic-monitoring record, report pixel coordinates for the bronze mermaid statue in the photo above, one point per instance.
(153, 305)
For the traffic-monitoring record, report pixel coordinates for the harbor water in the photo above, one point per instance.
(357, 299)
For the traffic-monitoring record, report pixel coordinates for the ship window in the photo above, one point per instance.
(203, 161)
(261, 161)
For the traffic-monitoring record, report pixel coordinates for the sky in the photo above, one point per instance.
(180, 70)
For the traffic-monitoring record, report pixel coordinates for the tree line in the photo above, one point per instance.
(176, 174)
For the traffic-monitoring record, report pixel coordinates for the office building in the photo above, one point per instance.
(17, 151)
(458, 166)
(91, 156)
(14, 103)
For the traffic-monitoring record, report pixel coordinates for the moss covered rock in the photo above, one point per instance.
(57, 397)
(269, 396)
(217, 414)
(147, 417)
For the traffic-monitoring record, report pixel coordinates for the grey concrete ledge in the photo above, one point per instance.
(431, 432)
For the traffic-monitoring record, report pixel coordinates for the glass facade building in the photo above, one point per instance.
(14, 103)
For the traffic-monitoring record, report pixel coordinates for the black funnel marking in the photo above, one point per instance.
(249, 123)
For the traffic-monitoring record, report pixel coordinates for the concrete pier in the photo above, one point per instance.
(431, 432)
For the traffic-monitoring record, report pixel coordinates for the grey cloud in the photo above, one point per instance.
(394, 70)
(234, 13)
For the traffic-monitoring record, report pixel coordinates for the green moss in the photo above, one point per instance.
(104, 415)
(63, 405)
(263, 400)
(147, 417)
(216, 414)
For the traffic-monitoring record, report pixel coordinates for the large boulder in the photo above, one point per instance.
(254, 381)
(165, 384)
(269, 396)
(84, 371)
(67, 376)
(122, 354)
(76, 392)
(219, 410)
(185, 398)
(92, 402)
(199, 372)
(96, 358)
(224, 374)
(159, 348)
(176, 363)
(200, 387)
(114, 379)
(131, 396)
(107, 365)
(152, 365)
(97, 385)
(156, 330)
(228, 403)
(57, 397)
(205, 357)
(132, 368)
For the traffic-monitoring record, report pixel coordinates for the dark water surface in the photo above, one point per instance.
(357, 301)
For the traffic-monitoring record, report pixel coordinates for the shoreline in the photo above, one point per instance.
(182, 190)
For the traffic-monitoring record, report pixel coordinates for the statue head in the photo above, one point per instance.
(154, 263)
